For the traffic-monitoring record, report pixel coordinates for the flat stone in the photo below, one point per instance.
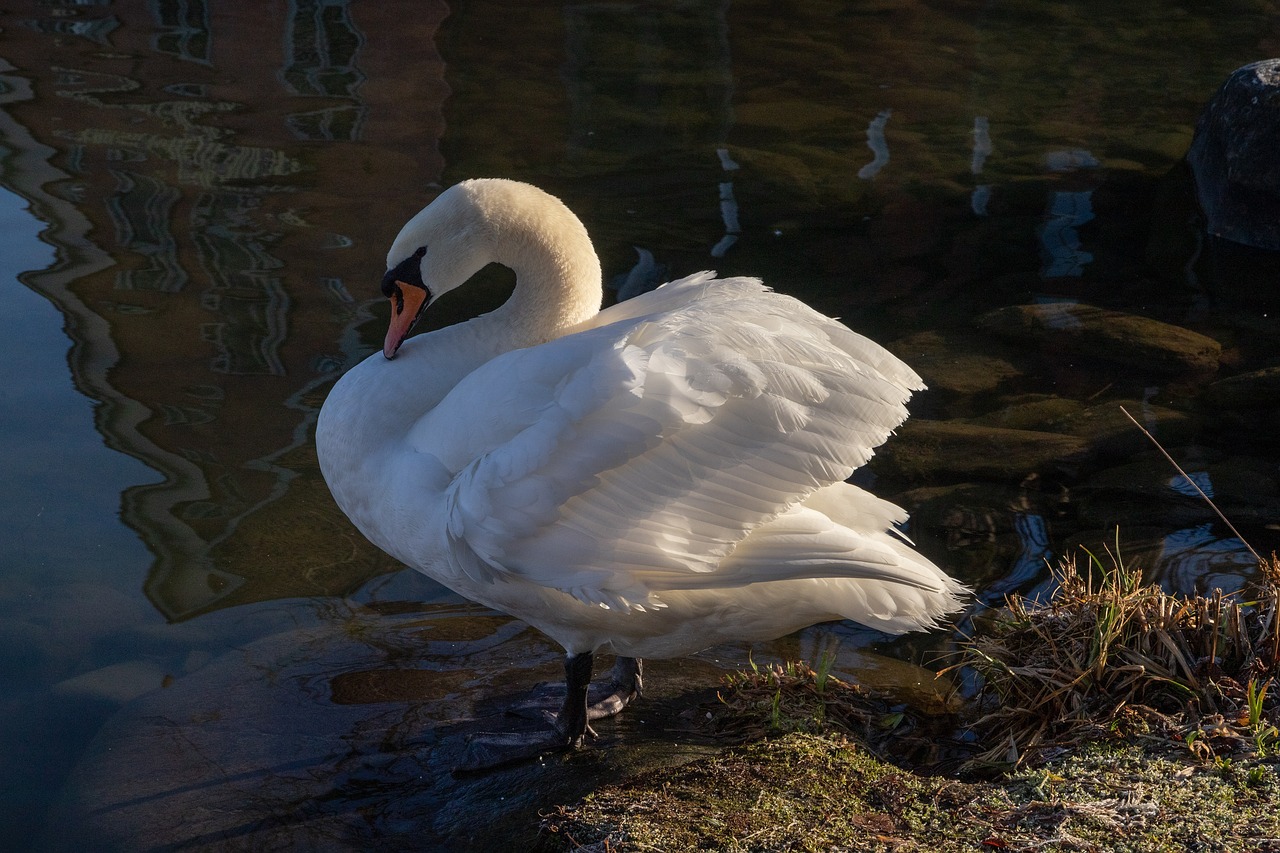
(964, 450)
(1088, 331)
(960, 363)
(117, 683)
(342, 736)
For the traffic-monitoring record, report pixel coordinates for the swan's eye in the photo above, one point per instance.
(408, 271)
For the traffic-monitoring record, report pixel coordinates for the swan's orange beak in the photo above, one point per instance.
(406, 306)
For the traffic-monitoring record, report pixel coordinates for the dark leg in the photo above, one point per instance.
(567, 730)
(572, 719)
(604, 698)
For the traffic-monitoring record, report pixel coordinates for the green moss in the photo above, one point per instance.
(810, 792)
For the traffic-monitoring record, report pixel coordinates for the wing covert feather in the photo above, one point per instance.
(641, 450)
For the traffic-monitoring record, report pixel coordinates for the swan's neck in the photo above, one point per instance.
(558, 280)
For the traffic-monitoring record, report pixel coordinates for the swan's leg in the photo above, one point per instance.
(573, 716)
(567, 730)
(604, 698)
(625, 685)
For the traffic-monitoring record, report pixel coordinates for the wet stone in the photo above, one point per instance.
(957, 362)
(1149, 492)
(1077, 329)
(1255, 389)
(964, 450)
(1233, 157)
(327, 738)
(117, 683)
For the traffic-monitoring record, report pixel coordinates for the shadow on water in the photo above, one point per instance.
(345, 733)
(994, 192)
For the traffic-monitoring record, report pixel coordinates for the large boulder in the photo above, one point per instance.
(1233, 157)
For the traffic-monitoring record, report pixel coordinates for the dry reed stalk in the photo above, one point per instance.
(1102, 648)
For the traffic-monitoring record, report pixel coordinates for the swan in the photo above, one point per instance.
(650, 479)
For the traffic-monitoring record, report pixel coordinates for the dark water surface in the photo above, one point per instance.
(198, 651)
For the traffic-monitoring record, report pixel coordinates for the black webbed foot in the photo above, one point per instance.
(566, 729)
(605, 698)
(490, 750)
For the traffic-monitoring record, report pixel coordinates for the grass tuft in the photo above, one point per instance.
(1108, 656)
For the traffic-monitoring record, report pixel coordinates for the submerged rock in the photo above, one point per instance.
(1031, 411)
(1255, 389)
(958, 362)
(1087, 331)
(963, 450)
(1233, 157)
(1149, 492)
(1111, 434)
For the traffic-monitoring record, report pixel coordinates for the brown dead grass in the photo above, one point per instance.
(1107, 656)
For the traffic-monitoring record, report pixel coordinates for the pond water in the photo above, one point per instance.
(200, 652)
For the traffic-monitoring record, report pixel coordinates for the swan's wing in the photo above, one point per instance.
(621, 460)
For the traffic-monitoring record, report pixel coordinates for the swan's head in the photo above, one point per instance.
(444, 245)
(489, 220)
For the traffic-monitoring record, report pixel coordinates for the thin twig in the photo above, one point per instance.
(1193, 483)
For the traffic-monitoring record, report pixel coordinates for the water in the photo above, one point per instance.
(198, 649)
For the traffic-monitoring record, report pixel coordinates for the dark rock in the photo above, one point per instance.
(1233, 157)
(1149, 491)
(1110, 433)
(1031, 411)
(960, 362)
(1096, 333)
(1255, 389)
(1104, 425)
(962, 450)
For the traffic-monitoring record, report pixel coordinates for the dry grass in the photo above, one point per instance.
(1108, 656)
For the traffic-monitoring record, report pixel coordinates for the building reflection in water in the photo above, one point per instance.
(202, 242)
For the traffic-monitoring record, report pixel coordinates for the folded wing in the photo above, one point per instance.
(637, 455)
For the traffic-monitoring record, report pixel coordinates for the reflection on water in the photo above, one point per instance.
(876, 142)
(214, 188)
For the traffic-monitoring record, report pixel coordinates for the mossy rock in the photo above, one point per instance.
(1111, 433)
(1255, 389)
(1031, 411)
(963, 450)
(1097, 333)
(957, 362)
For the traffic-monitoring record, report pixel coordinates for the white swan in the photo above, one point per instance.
(650, 479)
